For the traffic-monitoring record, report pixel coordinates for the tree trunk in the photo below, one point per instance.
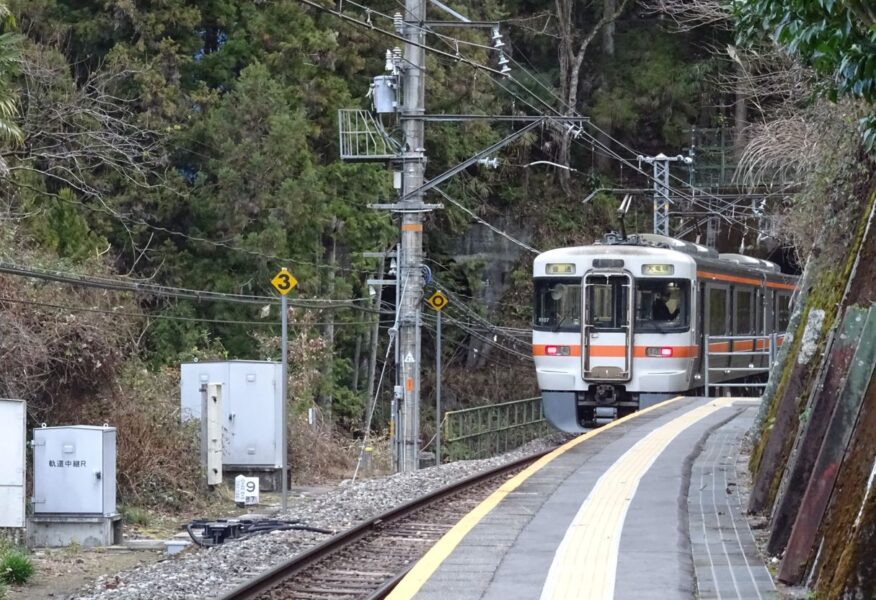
(571, 56)
(357, 358)
(329, 330)
(608, 8)
(604, 136)
(740, 112)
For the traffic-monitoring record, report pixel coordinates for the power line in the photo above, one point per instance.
(148, 316)
(495, 358)
(491, 227)
(450, 40)
(495, 343)
(456, 57)
(203, 240)
(167, 291)
(459, 305)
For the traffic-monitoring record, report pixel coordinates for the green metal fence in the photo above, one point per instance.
(486, 431)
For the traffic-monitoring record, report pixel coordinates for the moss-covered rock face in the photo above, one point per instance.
(847, 531)
(822, 290)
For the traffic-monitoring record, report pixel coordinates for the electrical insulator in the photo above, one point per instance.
(497, 38)
(398, 22)
(389, 66)
(503, 60)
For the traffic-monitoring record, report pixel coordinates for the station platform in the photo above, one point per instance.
(645, 507)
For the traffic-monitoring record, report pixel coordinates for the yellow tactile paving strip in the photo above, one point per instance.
(429, 563)
(585, 563)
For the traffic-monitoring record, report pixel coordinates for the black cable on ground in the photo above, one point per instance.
(235, 530)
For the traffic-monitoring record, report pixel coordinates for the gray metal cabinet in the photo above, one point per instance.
(74, 470)
(251, 406)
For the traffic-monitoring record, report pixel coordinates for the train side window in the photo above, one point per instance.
(717, 311)
(783, 311)
(743, 312)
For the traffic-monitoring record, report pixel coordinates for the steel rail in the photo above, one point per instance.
(299, 564)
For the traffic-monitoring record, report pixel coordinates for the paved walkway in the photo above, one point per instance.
(726, 560)
(607, 516)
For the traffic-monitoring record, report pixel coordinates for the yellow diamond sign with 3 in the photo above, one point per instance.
(284, 281)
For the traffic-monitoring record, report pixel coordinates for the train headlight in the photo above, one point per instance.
(664, 352)
(658, 269)
(557, 350)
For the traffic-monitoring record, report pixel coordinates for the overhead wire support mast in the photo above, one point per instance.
(661, 188)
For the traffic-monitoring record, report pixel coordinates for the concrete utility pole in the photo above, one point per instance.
(410, 277)
(364, 138)
(661, 188)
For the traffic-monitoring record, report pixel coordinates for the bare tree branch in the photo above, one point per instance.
(692, 14)
(86, 136)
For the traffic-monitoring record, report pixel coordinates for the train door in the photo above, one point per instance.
(743, 325)
(769, 323)
(717, 311)
(607, 331)
(701, 330)
(760, 325)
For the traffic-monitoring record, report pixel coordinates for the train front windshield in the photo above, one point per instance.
(662, 305)
(557, 305)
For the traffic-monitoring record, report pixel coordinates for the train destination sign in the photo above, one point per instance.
(284, 281)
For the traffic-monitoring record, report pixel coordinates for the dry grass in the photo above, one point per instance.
(819, 149)
(318, 453)
(157, 457)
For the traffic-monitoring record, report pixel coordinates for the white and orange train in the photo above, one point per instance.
(621, 324)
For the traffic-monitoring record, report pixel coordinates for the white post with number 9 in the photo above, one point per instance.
(246, 490)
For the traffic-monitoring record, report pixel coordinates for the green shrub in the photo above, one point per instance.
(136, 516)
(15, 567)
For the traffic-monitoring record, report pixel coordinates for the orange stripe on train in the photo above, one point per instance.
(746, 280)
(614, 351)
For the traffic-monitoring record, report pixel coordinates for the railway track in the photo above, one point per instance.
(366, 562)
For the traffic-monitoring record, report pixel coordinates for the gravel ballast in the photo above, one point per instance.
(211, 572)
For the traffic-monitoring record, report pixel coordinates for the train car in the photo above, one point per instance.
(621, 324)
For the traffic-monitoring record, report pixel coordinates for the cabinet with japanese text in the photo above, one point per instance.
(74, 470)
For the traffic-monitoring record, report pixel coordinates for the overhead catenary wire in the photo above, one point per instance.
(612, 154)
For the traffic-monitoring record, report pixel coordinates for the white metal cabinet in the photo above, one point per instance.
(12, 444)
(253, 414)
(74, 470)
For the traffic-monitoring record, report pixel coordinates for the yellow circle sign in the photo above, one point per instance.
(437, 301)
(284, 281)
